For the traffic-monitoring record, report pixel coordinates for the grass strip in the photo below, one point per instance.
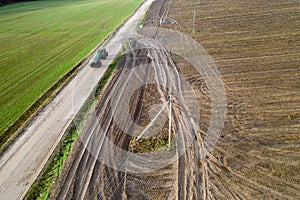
(40, 189)
(141, 22)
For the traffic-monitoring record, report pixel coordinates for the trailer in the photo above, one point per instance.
(96, 60)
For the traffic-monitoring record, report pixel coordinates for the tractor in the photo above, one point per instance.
(96, 60)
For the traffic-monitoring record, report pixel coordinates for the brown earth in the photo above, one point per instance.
(256, 48)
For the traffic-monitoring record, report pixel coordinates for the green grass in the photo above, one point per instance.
(141, 22)
(41, 187)
(42, 41)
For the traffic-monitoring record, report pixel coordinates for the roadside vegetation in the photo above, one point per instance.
(141, 22)
(41, 187)
(42, 41)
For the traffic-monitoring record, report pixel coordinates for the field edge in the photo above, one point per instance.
(12, 132)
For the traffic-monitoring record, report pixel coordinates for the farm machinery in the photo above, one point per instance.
(96, 60)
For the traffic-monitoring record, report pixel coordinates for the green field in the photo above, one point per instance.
(41, 41)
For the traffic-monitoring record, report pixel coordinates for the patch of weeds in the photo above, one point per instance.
(141, 22)
(225, 169)
(147, 144)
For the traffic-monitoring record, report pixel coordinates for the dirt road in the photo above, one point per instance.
(256, 155)
(101, 167)
(23, 161)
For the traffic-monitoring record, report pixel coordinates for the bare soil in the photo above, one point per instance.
(256, 47)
